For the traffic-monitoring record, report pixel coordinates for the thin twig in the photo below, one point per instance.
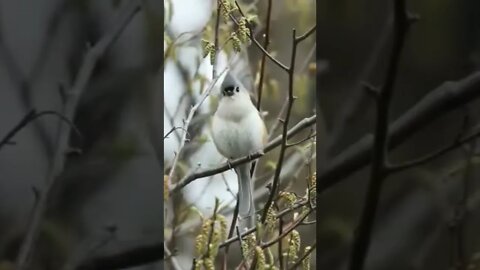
(24, 82)
(231, 231)
(255, 41)
(278, 121)
(216, 49)
(23, 122)
(287, 231)
(212, 228)
(429, 157)
(445, 98)
(171, 257)
(28, 118)
(171, 131)
(81, 82)
(291, 98)
(266, 43)
(380, 158)
(308, 58)
(187, 123)
(357, 95)
(152, 250)
(461, 211)
(310, 136)
(278, 215)
(280, 244)
(240, 241)
(304, 256)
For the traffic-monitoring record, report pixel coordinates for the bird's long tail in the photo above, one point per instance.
(246, 208)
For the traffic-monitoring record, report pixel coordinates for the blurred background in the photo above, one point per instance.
(416, 225)
(188, 73)
(110, 192)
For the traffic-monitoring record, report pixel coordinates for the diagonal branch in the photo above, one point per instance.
(290, 99)
(266, 43)
(255, 41)
(73, 96)
(30, 117)
(447, 97)
(152, 250)
(186, 123)
(429, 157)
(24, 82)
(357, 96)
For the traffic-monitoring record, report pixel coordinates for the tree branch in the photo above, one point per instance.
(429, 157)
(357, 95)
(186, 124)
(283, 147)
(81, 82)
(255, 41)
(266, 43)
(307, 122)
(304, 256)
(447, 97)
(291, 98)
(151, 251)
(380, 157)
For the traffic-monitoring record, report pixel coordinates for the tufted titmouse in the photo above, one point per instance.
(238, 131)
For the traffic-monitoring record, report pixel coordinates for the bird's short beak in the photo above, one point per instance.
(229, 91)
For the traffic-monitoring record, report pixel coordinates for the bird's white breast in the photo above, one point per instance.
(237, 132)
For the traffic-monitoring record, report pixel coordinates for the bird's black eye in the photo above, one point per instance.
(237, 89)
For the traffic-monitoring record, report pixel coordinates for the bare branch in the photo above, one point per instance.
(175, 264)
(380, 157)
(440, 101)
(291, 98)
(81, 81)
(255, 41)
(186, 123)
(266, 43)
(357, 96)
(427, 158)
(304, 256)
(216, 48)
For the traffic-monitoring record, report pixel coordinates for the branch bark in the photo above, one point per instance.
(266, 43)
(81, 81)
(380, 158)
(446, 98)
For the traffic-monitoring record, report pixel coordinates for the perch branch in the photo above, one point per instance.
(186, 123)
(307, 122)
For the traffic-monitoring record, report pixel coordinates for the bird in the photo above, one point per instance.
(238, 130)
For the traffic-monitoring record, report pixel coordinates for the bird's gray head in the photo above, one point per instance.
(231, 86)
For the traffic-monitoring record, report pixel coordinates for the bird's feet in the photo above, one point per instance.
(251, 155)
(229, 164)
